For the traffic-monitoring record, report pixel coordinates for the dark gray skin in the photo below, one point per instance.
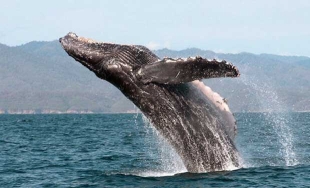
(163, 91)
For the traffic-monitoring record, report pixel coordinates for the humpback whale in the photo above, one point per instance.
(195, 120)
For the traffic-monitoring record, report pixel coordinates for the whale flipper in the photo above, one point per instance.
(175, 71)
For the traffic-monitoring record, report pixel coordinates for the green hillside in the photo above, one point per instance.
(39, 77)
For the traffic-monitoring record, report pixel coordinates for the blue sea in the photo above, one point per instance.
(123, 150)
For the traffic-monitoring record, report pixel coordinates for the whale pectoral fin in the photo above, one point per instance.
(175, 71)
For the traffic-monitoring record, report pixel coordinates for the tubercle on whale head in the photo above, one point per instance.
(88, 52)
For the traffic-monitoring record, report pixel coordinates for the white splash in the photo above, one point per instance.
(273, 108)
(157, 174)
(170, 161)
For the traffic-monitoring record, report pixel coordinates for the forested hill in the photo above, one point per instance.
(39, 77)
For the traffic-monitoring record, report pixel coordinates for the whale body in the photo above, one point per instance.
(195, 120)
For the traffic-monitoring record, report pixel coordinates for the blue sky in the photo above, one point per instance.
(265, 26)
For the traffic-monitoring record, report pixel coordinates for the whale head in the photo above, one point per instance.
(105, 58)
(88, 52)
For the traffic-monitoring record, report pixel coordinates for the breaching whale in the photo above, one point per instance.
(195, 120)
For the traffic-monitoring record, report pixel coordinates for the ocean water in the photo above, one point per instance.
(123, 150)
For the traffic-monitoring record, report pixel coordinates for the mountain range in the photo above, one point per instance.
(39, 77)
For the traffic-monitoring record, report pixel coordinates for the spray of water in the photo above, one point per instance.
(170, 161)
(274, 112)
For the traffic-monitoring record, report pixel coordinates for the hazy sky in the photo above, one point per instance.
(264, 26)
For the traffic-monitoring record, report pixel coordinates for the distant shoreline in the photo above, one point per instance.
(56, 112)
(64, 112)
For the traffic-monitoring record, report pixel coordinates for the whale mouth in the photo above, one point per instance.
(84, 40)
(72, 39)
(81, 39)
